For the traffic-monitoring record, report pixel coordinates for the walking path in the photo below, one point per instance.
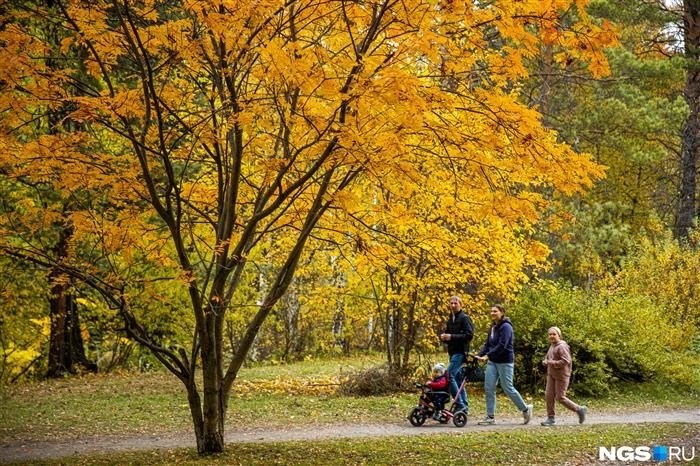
(29, 451)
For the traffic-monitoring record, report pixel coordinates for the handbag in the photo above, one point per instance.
(472, 371)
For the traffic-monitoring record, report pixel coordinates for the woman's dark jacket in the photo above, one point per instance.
(499, 343)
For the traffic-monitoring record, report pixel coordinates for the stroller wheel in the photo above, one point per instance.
(417, 417)
(460, 419)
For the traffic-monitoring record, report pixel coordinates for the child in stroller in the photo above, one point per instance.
(437, 389)
(432, 401)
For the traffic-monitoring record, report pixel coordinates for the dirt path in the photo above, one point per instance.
(93, 445)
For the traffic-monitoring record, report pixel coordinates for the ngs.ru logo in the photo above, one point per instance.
(642, 453)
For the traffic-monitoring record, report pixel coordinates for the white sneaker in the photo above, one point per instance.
(487, 421)
(527, 414)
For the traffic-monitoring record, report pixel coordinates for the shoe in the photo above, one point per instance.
(487, 421)
(436, 415)
(527, 414)
(549, 422)
(581, 414)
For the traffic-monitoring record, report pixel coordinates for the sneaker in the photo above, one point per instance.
(549, 422)
(581, 414)
(460, 409)
(487, 421)
(527, 414)
(436, 415)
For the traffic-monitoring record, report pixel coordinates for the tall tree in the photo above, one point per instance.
(237, 121)
(66, 348)
(630, 121)
(688, 207)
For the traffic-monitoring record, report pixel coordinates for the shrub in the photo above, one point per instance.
(613, 336)
(665, 272)
(375, 381)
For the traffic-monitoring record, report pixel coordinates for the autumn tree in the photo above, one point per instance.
(65, 348)
(212, 127)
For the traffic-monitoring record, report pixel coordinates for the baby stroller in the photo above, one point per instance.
(425, 408)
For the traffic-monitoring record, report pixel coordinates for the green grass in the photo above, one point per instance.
(566, 445)
(312, 367)
(75, 407)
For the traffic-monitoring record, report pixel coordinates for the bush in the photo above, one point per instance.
(613, 336)
(665, 272)
(376, 381)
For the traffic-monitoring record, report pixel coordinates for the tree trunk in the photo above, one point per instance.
(212, 434)
(65, 341)
(685, 218)
(411, 331)
(207, 417)
(59, 359)
(66, 347)
(195, 403)
(75, 337)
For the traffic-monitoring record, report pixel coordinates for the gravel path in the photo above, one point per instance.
(29, 451)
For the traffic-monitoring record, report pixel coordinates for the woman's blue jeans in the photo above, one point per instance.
(504, 373)
(455, 371)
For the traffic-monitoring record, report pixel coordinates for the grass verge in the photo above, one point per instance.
(565, 445)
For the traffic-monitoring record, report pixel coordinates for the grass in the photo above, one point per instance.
(88, 405)
(129, 404)
(312, 367)
(132, 403)
(567, 445)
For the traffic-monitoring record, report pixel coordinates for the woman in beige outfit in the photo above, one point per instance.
(558, 363)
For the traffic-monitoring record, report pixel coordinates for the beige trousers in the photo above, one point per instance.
(556, 391)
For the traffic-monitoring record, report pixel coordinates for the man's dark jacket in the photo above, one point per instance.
(460, 327)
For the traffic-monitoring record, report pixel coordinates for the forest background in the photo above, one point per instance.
(203, 185)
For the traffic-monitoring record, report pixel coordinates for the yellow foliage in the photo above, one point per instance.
(199, 134)
(44, 325)
(324, 385)
(18, 359)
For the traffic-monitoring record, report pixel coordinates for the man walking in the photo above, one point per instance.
(458, 335)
